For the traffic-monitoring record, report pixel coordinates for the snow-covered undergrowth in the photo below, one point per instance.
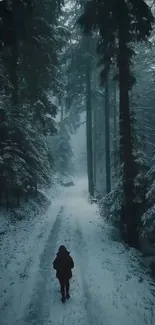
(23, 233)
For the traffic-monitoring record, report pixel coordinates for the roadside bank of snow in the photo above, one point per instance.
(23, 235)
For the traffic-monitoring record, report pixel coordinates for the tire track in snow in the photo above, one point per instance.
(76, 237)
(39, 307)
(73, 312)
(90, 303)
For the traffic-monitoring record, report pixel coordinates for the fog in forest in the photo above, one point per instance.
(77, 162)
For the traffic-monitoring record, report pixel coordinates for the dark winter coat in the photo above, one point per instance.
(63, 264)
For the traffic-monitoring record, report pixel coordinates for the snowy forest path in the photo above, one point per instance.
(108, 286)
(83, 307)
(45, 306)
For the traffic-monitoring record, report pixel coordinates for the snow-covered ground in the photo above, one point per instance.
(108, 286)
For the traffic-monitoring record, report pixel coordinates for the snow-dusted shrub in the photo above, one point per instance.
(110, 205)
(148, 222)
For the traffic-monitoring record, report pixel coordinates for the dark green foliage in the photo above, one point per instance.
(31, 40)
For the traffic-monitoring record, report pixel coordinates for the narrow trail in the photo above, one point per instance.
(106, 285)
(105, 288)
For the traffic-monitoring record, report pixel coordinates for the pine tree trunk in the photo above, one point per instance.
(95, 111)
(13, 74)
(14, 56)
(126, 146)
(107, 138)
(89, 124)
(114, 124)
(94, 144)
(13, 71)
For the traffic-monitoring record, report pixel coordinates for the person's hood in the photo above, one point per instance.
(63, 253)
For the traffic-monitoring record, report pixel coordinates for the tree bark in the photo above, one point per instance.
(94, 143)
(14, 55)
(126, 146)
(114, 123)
(89, 122)
(107, 138)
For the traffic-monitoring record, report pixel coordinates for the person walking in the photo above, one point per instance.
(63, 264)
